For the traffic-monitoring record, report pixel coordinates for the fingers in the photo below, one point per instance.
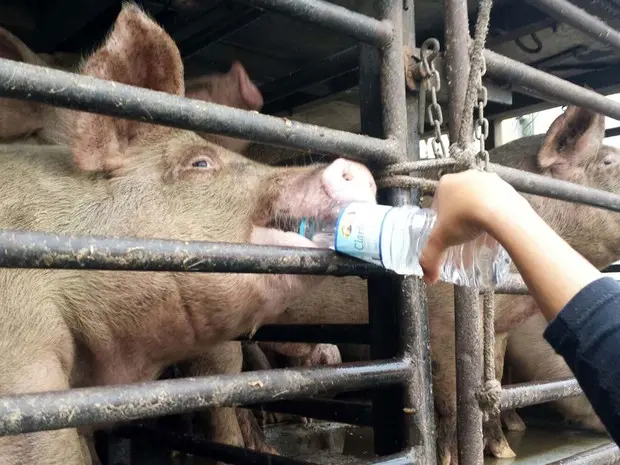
(432, 257)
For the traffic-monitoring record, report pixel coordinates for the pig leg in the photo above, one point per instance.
(494, 440)
(43, 372)
(223, 424)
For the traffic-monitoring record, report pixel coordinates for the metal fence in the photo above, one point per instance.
(399, 378)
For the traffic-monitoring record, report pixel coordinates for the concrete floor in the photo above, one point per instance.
(320, 442)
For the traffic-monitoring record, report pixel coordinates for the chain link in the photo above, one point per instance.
(429, 51)
(481, 130)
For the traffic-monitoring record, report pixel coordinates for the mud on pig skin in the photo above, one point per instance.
(65, 328)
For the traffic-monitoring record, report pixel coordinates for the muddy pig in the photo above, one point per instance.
(571, 150)
(66, 328)
(531, 358)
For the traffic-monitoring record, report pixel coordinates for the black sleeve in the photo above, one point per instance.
(587, 334)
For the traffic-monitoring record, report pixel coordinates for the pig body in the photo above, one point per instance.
(571, 150)
(531, 358)
(69, 328)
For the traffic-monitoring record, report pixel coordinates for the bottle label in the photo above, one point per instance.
(358, 231)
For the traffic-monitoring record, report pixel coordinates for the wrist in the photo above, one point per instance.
(500, 217)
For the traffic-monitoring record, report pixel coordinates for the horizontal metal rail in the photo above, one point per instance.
(524, 394)
(26, 413)
(502, 67)
(85, 93)
(580, 19)
(22, 249)
(545, 186)
(338, 18)
(607, 454)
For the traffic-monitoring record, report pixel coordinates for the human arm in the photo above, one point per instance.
(582, 306)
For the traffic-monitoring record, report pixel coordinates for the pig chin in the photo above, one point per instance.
(272, 236)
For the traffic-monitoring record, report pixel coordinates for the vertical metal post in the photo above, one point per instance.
(467, 320)
(395, 303)
(418, 336)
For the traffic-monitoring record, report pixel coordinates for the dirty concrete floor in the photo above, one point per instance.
(320, 442)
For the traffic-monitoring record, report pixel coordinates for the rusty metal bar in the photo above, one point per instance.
(524, 394)
(335, 17)
(417, 331)
(22, 249)
(536, 184)
(467, 321)
(580, 19)
(544, 84)
(68, 90)
(607, 454)
(26, 413)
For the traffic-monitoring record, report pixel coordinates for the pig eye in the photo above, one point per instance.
(201, 163)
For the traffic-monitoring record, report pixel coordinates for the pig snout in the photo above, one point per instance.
(348, 181)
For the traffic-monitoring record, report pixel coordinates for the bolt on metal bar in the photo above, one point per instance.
(68, 90)
(580, 19)
(607, 454)
(338, 18)
(524, 394)
(501, 67)
(23, 249)
(26, 413)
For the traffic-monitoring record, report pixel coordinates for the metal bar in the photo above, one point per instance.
(524, 394)
(339, 411)
(513, 285)
(392, 300)
(580, 19)
(25, 413)
(338, 18)
(416, 329)
(334, 334)
(536, 184)
(501, 67)
(22, 249)
(467, 321)
(456, 61)
(68, 90)
(608, 454)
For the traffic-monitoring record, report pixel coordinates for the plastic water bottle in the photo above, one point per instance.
(394, 237)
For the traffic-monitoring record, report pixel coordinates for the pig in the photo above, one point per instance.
(571, 150)
(531, 358)
(71, 328)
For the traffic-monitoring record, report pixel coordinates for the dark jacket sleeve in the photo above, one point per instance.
(587, 334)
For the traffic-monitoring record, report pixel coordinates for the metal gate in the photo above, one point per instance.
(399, 377)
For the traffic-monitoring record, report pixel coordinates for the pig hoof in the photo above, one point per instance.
(512, 421)
(494, 440)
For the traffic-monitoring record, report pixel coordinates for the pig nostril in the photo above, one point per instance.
(347, 177)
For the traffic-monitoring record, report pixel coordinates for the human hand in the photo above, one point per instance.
(467, 204)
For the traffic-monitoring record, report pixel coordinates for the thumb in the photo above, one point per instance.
(432, 257)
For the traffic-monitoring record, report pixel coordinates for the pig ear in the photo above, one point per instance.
(250, 95)
(137, 52)
(14, 49)
(575, 137)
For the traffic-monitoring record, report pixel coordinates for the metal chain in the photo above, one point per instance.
(428, 52)
(481, 130)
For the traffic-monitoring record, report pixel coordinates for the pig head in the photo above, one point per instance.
(70, 328)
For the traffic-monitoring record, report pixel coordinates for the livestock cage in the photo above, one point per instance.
(395, 71)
